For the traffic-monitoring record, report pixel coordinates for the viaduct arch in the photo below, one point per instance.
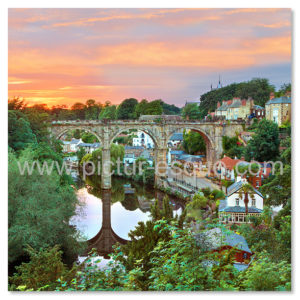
(160, 132)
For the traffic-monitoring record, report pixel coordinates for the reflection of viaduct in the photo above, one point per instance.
(106, 237)
(160, 132)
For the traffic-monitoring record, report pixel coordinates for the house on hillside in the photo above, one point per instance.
(89, 147)
(235, 109)
(66, 146)
(227, 165)
(232, 208)
(136, 150)
(219, 240)
(175, 140)
(278, 110)
(257, 112)
(74, 144)
(143, 139)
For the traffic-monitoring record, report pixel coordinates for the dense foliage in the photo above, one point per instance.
(258, 89)
(193, 143)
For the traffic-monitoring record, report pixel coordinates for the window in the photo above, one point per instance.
(253, 202)
(257, 183)
(258, 113)
(245, 256)
(237, 201)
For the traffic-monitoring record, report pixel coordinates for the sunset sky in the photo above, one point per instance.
(62, 56)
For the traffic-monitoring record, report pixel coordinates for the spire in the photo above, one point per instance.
(219, 84)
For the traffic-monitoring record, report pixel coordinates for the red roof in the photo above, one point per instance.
(229, 162)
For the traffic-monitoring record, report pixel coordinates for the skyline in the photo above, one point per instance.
(63, 56)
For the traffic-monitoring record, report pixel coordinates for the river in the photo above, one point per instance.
(106, 217)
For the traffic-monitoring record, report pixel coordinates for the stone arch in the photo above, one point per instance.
(65, 129)
(145, 130)
(210, 144)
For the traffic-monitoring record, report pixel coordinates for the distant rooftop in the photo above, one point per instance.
(177, 137)
(280, 100)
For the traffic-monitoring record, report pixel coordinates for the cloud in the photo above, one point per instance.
(68, 55)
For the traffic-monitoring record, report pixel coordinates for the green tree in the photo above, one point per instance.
(126, 109)
(20, 134)
(191, 111)
(265, 275)
(140, 108)
(39, 208)
(42, 271)
(154, 108)
(80, 154)
(79, 110)
(109, 113)
(170, 109)
(193, 142)
(264, 145)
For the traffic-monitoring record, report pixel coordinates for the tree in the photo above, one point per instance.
(284, 89)
(16, 104)
(154, 108)
(265, 275)
(42, 271)
(126, 109)
(193, 142)
(92, 109)
(88, 137)
(258, 89)
(244, 192)
(79, 110)
(108, 112)
(191, 111)
(170, 109)
(39, 208)
(140, 108)
(264, 145)
(20, 134)
(80, 154)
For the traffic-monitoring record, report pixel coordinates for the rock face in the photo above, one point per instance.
(160, 131)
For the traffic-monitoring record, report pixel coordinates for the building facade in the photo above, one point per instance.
(143, 139)
(232, 208)
(278, 110)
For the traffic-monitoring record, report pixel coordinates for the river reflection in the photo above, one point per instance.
(106, 217)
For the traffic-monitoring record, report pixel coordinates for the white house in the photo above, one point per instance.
(74, 144)
(232, 209)
(88, 147)
(66, 146)
(175, 139)
(143, 139)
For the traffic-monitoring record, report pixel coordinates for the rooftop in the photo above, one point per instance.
(177, 137)
(280, 100)
(237, 186)
(217, 237)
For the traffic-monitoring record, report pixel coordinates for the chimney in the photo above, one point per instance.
(243, 158)
(244, 101)
(219, 104)
(272, 96)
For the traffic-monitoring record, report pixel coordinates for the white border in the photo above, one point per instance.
(132, 3)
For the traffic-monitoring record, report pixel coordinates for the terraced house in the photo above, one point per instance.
(278, 109)
(235, 109)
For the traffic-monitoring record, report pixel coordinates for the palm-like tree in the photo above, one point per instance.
(246, 189)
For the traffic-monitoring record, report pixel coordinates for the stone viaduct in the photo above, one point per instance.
(160, 132)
